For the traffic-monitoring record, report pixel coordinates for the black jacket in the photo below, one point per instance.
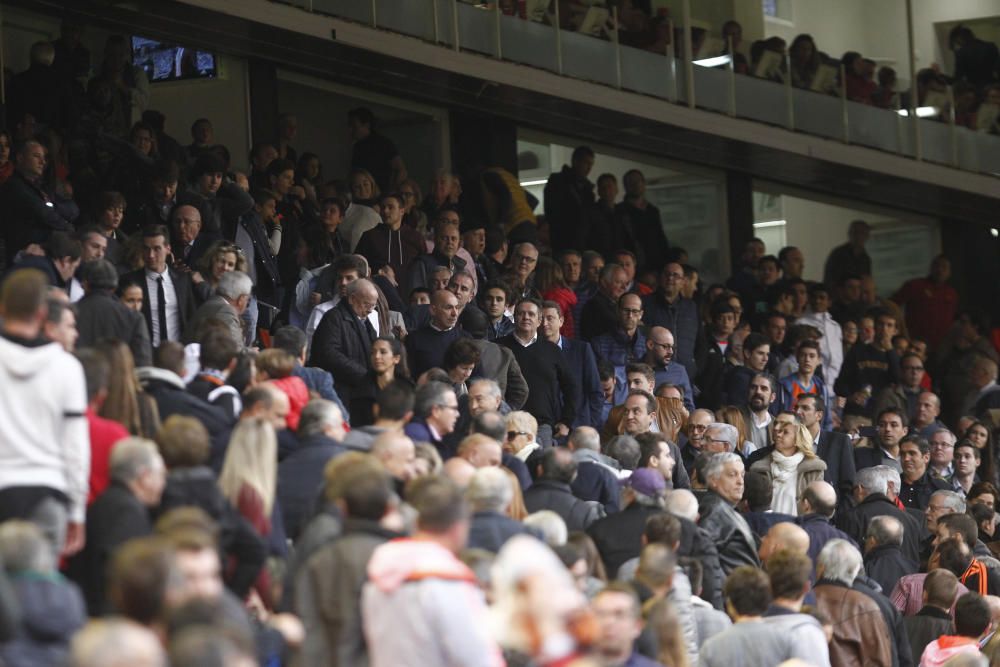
(926, 626)
(100, 315)
(837, 452)
(696, 543)
(300, 480)
(886, 564)
(172, 398)
(711, 373)
(918, 494)
(490, 531)
(855, 523)
(729, 531)
(114, 518)
(183, 289)
(546, 494)
(196, 487)
(341, 345)
(619, 537)
(599, 316)
(569, 207)
(26, 217)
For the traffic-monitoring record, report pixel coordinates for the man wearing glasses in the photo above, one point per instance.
(523, 261)
(627, 343)
(942, 454)
(667, 308)
(435, 412)
(905, 394)
(660, 350)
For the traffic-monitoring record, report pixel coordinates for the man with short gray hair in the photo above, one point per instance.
(875, 498)
(721, 438)
(941, 503)
(489, 495)
(231, 298)
(724, 477)
(119, 514)
(596, 474)
(300, 474)
(860, 634)
(884, 561)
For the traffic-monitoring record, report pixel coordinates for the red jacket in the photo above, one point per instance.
(104, 433)
(298, 396)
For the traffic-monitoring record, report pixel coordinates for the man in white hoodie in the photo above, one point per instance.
(421, 605)
(831, 345)
(44, 442)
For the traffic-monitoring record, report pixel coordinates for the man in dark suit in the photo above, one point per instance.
(582, 364)
(100, 315)
(119, 514)
(343, 339)
(835, 449)
(29, 215)
(300, 474)
(190, 240)
(166, 315)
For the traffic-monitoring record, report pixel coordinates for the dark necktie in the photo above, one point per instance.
(371, 330)
(161, 309)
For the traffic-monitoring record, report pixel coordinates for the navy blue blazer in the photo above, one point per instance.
(589, 398)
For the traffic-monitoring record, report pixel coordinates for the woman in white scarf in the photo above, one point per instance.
(792, 464)
(522, 429)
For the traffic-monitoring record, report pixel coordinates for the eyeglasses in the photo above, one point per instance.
(513, 434)
(525, 259)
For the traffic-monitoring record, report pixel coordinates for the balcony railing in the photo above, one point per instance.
(457, 25)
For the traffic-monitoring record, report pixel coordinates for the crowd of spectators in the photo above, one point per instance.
(974, 84)
(281, 418)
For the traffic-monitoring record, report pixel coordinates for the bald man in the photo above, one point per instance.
(190, 241)
(660, 349)
(784, 536)
(425, 347)
(816, 508)
(343, 340)
(459, 471)
(481, 451)
(397, 454)
(884, 560)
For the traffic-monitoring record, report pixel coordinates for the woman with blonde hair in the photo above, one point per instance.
(522, 429)
(792, 464)
(220, 257)
(249, 479)
(516, 510)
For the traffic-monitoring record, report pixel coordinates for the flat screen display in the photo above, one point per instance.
(169, 62)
